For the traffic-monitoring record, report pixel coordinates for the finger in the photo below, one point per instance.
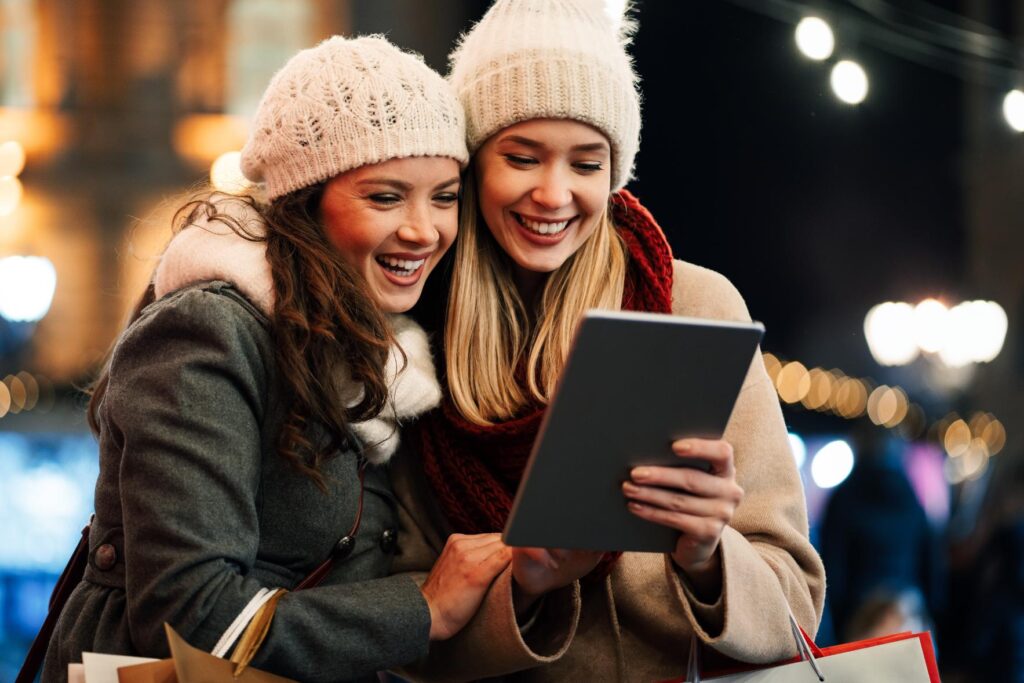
(475, 538)
(688, 480)
(701, 529)
(495, 561)
(718, 507)
(717, 452)
(469, 541)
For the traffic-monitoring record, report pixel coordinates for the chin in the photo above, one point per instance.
(543, 266)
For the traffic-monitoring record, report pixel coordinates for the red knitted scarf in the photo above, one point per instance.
(475, 470)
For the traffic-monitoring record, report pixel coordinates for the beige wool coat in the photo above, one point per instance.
(636, 624)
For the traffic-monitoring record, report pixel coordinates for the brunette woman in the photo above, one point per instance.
(247, 410)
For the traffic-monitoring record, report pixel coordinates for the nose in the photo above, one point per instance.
(553, 191)
(418, 227)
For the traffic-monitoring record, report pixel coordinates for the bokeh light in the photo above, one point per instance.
(793, 382)
(889, 330)
(849, 82)
(226, 174)
(27, 285)
(930, 325)
(957, 438)
(832, 464)
(799, 448)
(12, 158)
(815, 39)
(1013, 109)
(10, 195)
(821, 389)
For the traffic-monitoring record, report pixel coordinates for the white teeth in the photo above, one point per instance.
(400, 266)
(543, 228)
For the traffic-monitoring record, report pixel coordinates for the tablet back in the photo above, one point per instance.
(634, 383)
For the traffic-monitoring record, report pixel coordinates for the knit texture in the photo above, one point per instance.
(347, 103)
(209, 250)
(475, 470)
(557, 59)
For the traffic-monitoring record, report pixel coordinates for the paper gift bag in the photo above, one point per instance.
(191, 665)
(899, 658)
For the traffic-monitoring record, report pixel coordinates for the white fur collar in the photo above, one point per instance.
(209, 250)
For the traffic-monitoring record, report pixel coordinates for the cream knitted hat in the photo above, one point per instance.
(346, 103)
(558, 59)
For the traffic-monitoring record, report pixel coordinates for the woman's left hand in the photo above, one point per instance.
(697, 504)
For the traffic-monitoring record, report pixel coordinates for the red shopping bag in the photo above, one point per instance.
(899, 658)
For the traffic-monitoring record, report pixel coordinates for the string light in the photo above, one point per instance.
(1013, 110)
(973, 441)
(25, 391)
(849, 82)
(815, 39)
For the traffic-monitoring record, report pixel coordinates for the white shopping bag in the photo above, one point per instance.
(900, 658)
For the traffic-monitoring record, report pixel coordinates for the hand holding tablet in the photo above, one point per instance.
(635, 384)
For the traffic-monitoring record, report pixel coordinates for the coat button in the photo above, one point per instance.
(343, 548)
(105, 557)
(389, 540)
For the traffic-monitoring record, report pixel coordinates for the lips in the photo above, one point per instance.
(402, 269)
(543, 231)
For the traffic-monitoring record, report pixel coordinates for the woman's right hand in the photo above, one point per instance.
(459, 579)
(537, 571)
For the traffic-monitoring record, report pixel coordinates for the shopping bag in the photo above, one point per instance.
(899, 658)
(189, 664)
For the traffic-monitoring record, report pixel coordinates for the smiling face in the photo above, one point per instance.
(543, 187)
(392, 222)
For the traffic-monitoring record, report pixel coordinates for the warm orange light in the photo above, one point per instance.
(5, 399)
(31, 389)
(18, 393)
(957, 438)
(12, 158)
(201, 138)
(793, 382)
(820, 391)
(10, 195)
(39, 132)
(994, 436)
(772, 365)
(851, 398)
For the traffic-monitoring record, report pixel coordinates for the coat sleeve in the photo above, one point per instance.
(492, 643)
(185, 402)
(769, 565)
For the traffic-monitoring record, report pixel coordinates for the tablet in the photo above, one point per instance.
(633, 384)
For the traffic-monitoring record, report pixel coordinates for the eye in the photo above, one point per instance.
(588, 166)
(446, 197)
(385, 198)
(520, 160)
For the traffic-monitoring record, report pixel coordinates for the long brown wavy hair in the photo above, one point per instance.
(323, 320)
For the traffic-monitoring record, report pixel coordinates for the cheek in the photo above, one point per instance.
(447, 226)
(355, 235)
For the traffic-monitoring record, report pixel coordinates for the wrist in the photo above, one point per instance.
(704, 577)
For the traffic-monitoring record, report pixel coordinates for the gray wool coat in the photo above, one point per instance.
(198, 511)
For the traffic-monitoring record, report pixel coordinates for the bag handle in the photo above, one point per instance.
(256, 631)
(806, 649)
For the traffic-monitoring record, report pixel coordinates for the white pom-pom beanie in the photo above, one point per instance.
(557, 59)
(346, 103)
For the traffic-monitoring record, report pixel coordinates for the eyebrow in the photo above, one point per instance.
(533, 144)
(402, 185)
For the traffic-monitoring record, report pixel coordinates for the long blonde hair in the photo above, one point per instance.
(489, 333)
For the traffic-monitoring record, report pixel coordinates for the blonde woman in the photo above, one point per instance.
(546, 232)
